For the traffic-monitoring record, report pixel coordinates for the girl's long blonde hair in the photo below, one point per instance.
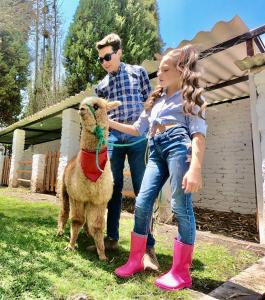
(185, 60)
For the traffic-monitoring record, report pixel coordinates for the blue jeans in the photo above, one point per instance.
(136, 160)
(168, 158)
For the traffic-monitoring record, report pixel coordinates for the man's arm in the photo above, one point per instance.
(145, 84)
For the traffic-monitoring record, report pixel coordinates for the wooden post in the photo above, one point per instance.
(257, 159)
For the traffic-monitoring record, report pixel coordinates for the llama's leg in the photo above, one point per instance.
(78, 220)
(64, 211)
(86, 229)
(96, 224)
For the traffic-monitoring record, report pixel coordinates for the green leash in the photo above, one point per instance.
(99, 133)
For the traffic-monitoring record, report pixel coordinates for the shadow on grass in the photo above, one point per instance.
(25, 254)
(119, 257)
(31, 246)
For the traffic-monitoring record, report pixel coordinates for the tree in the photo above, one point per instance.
(139, 30)
(45, 88)
(41, 96)
(15, 16)
(14, 61)
(134, 20)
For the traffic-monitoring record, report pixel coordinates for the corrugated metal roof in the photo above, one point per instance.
(220, 67)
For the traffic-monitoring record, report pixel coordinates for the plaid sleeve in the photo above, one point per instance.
(145, 84)
(99, 92)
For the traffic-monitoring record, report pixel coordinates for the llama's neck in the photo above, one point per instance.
(89, 141)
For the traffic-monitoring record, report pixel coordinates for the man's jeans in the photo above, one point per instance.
(136, 159)
(169, 152)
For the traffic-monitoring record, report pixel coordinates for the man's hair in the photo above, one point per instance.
(110, 40)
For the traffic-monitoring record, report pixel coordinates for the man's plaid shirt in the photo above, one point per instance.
(131, 86)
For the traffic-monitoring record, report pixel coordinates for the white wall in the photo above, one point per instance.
(42, 149)
(228, 171)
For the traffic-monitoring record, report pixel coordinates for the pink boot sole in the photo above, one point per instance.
(180, 287)
(120, 275)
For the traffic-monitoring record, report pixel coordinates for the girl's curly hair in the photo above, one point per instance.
(185, 60)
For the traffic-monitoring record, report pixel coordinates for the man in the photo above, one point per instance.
(130, 85)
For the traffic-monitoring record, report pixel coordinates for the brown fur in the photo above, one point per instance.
(86, 201)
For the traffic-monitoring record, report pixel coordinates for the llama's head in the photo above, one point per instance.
(93, 112)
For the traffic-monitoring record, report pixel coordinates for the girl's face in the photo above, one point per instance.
(168, 75)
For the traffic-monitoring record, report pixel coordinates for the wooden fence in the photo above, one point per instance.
(6, 170)
(28, 171)
(51, 170)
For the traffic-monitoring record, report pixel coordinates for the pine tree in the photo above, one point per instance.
(134, 20)
(14, 61)
(139, 30)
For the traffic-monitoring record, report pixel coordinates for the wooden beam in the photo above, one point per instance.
(258, 41)
(227, 101)
(227, 83)
(24, 171)
(250, 48)
(24, 180)
(152, 75)
(25, 162)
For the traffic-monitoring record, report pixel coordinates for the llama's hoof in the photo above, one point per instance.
(69, 248)
(60, 232)
(103, 257)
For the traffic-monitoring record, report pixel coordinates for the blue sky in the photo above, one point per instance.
(182, 19)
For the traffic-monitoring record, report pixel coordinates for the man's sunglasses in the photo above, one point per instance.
(106, 57)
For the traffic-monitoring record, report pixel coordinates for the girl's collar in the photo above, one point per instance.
(164, 93)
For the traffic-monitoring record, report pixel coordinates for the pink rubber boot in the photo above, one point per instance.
(178, 276)
(135, 262)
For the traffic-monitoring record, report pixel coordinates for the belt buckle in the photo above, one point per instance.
(158, 129)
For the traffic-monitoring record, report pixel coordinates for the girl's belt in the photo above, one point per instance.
(160, 128)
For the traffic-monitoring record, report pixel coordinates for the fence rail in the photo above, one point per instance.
(6, 170)
(24, 171)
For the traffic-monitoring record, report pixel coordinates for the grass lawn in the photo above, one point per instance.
(33, 264)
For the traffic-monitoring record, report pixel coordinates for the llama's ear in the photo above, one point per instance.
(113, 104)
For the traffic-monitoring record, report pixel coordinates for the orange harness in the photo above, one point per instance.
(88, 163)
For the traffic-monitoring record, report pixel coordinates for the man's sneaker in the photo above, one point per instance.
(150, 260)
(111, 244)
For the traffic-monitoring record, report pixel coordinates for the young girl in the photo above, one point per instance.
(174, 119)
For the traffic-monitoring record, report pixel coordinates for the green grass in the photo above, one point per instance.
(33, 264)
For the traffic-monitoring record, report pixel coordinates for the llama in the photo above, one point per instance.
(87, 184)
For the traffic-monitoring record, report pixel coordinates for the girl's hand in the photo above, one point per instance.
(192, 181)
